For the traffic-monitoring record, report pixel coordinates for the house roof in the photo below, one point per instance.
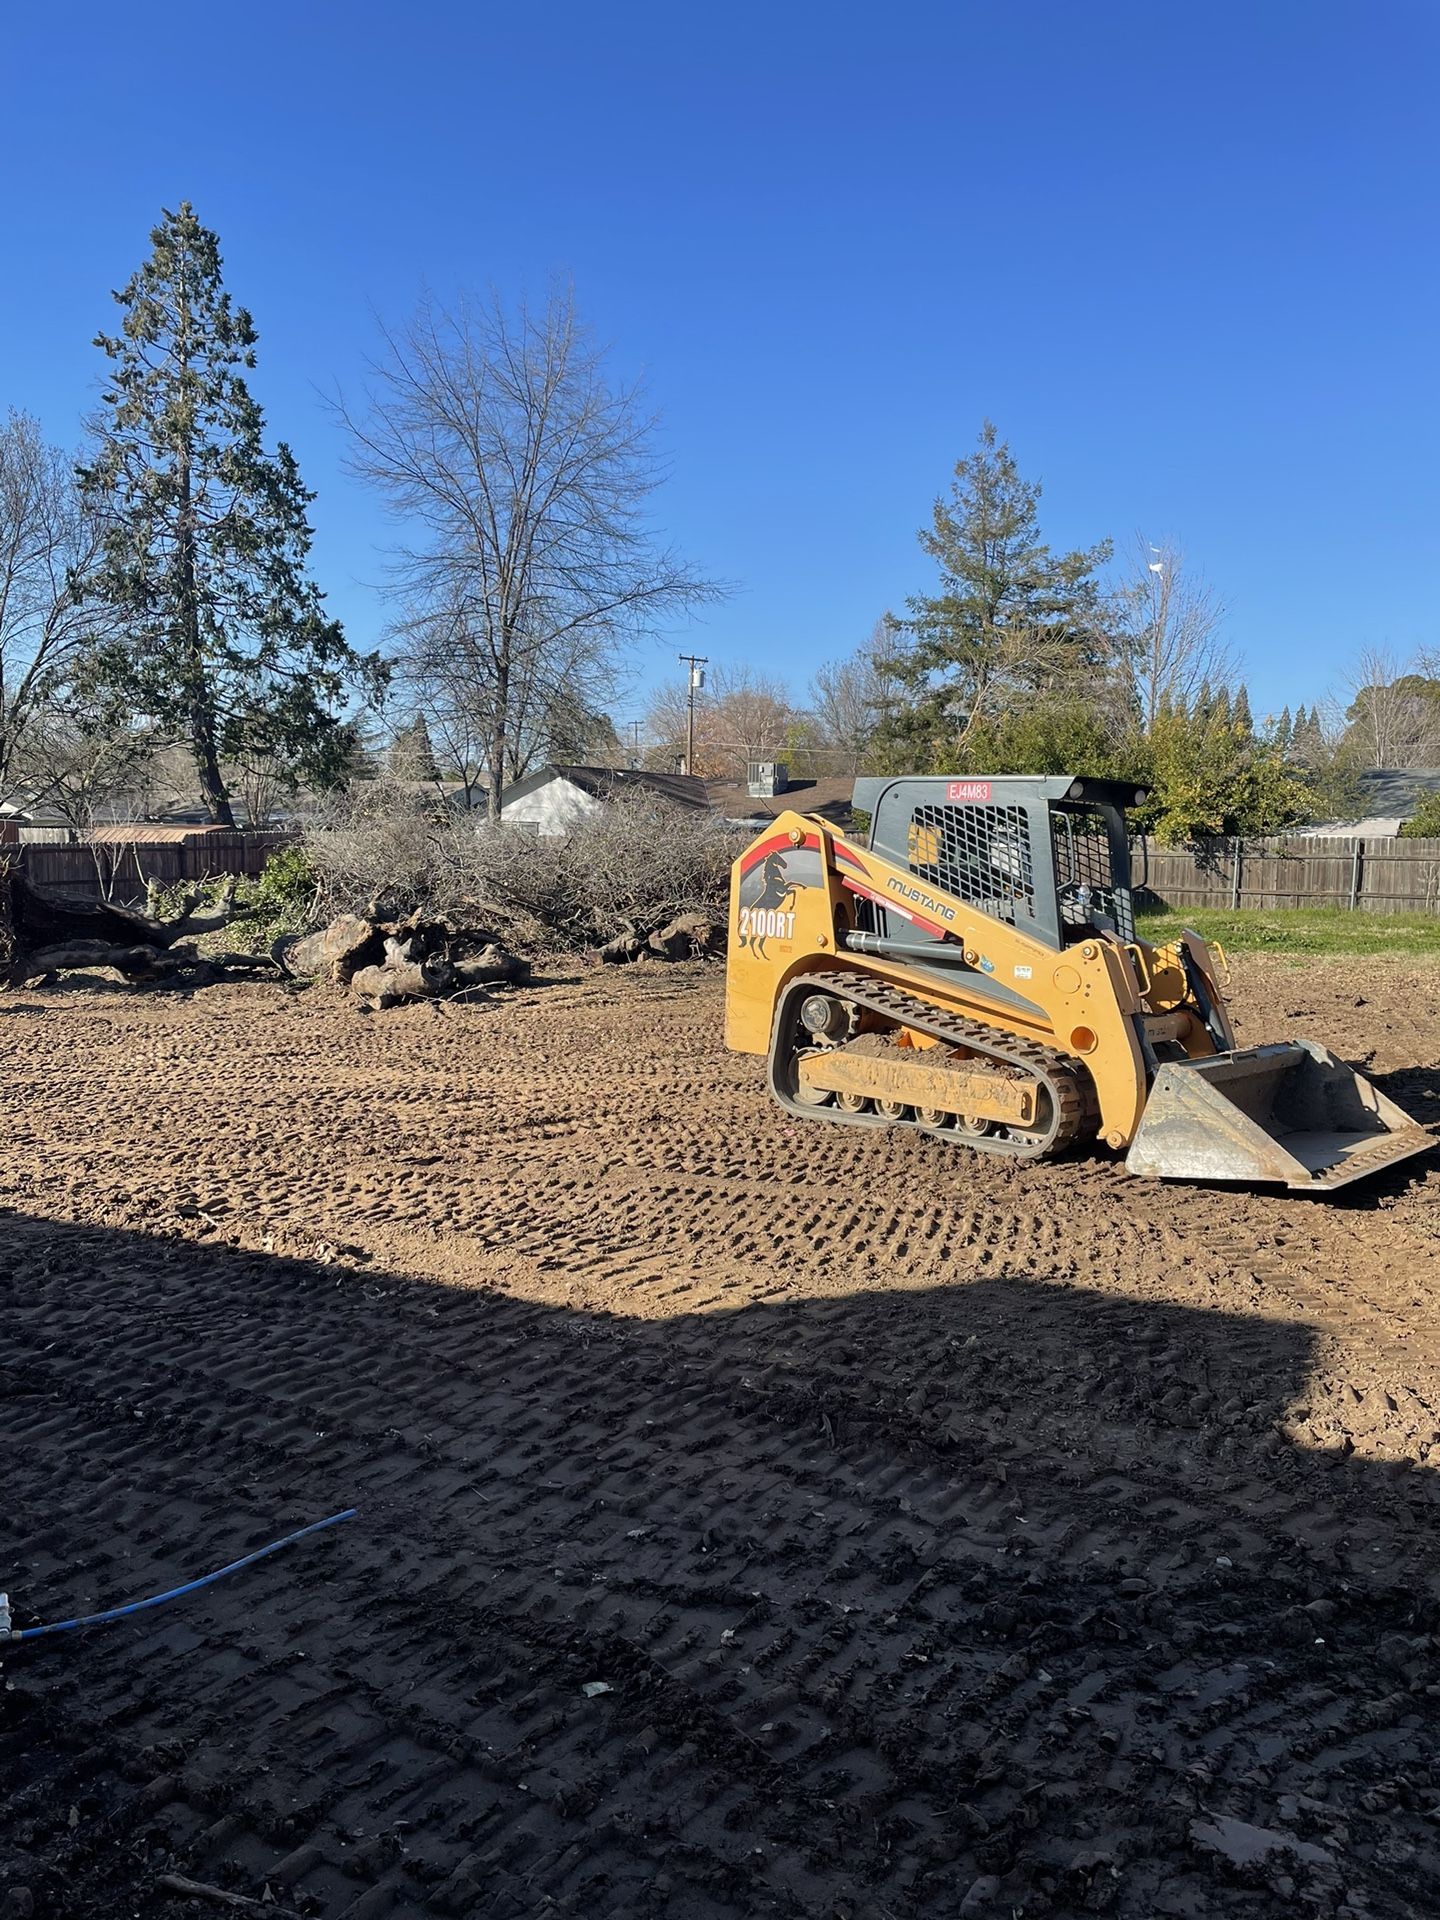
(831, 799)
(1389, 795)
(604, 783)
(149, 833)
(30, 812)
(1375, 826)
(1398, 789)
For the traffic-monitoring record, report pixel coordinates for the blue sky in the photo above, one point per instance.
(1185, 257)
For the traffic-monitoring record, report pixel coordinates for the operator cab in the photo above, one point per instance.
(1046, 853)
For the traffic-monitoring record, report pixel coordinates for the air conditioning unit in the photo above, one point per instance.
(767, 778)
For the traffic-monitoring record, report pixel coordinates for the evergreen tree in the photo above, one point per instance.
(224, 645)
(1206, 779)
(1240, 715)
(1067, 734)
(1012, 621)
(1284, 731)
(1308, 741)
(1424, 823)
(412, 756)
(576, 735)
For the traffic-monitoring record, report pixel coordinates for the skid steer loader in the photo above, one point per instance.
(974, 971)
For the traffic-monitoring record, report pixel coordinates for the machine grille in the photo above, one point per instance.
(981, 854)
(1082, 859)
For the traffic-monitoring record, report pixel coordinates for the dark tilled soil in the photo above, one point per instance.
(947, 1537)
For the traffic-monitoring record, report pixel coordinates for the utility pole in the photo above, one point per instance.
(632, 727)
(697, 663)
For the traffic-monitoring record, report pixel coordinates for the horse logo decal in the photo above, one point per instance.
(767, 891)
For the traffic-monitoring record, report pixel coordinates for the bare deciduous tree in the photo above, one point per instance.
(46, 538)
(262, 783)
(79, 767)
(850, 698)
(459, 745)
(1172, 620)
(524, 478)
(1394, 709)
(432, 676)
(743, 715)
(445, 667)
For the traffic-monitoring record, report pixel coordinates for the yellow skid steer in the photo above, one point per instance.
(974, 971)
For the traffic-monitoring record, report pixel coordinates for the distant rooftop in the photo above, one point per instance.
(605, 783)
(830, 798)
(1389, 796)
(151, 833)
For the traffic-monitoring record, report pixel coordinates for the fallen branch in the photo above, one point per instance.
(201, 1890)
(42, 935)
(136, 963)
(190, 925)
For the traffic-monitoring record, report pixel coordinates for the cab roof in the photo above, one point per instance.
(1005, 788)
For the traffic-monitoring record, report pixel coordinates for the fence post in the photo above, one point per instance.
(1237, 857)
(1357, 863)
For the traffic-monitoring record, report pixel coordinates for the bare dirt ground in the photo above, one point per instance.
(951, 1538)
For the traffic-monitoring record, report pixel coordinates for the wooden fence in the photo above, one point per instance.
(120, 871)
(1379, 876)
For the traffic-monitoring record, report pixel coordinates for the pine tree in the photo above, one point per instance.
(1285, 730)
(1012, 620)
(1308, 741)
(1240, 714)
(577, 735)
(225, 644)
(412, 754)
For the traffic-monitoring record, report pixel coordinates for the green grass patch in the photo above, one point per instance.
(1301, 930)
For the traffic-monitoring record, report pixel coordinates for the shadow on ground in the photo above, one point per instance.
(990, 1599)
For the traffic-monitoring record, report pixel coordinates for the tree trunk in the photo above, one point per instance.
(202, 718)
(499, 735)
(212, 787)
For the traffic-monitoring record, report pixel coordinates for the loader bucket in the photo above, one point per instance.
(1290, 1113)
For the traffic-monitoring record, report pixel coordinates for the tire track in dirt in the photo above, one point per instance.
(943, 1531)
(798, 1731)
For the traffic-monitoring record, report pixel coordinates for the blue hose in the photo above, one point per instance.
(159, 1599)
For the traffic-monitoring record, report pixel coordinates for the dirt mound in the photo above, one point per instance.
(947, 1537)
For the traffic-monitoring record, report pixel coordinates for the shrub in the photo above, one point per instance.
(1424, 823)
(284, 898)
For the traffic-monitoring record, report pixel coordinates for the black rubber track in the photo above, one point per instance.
(1071, 1107)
